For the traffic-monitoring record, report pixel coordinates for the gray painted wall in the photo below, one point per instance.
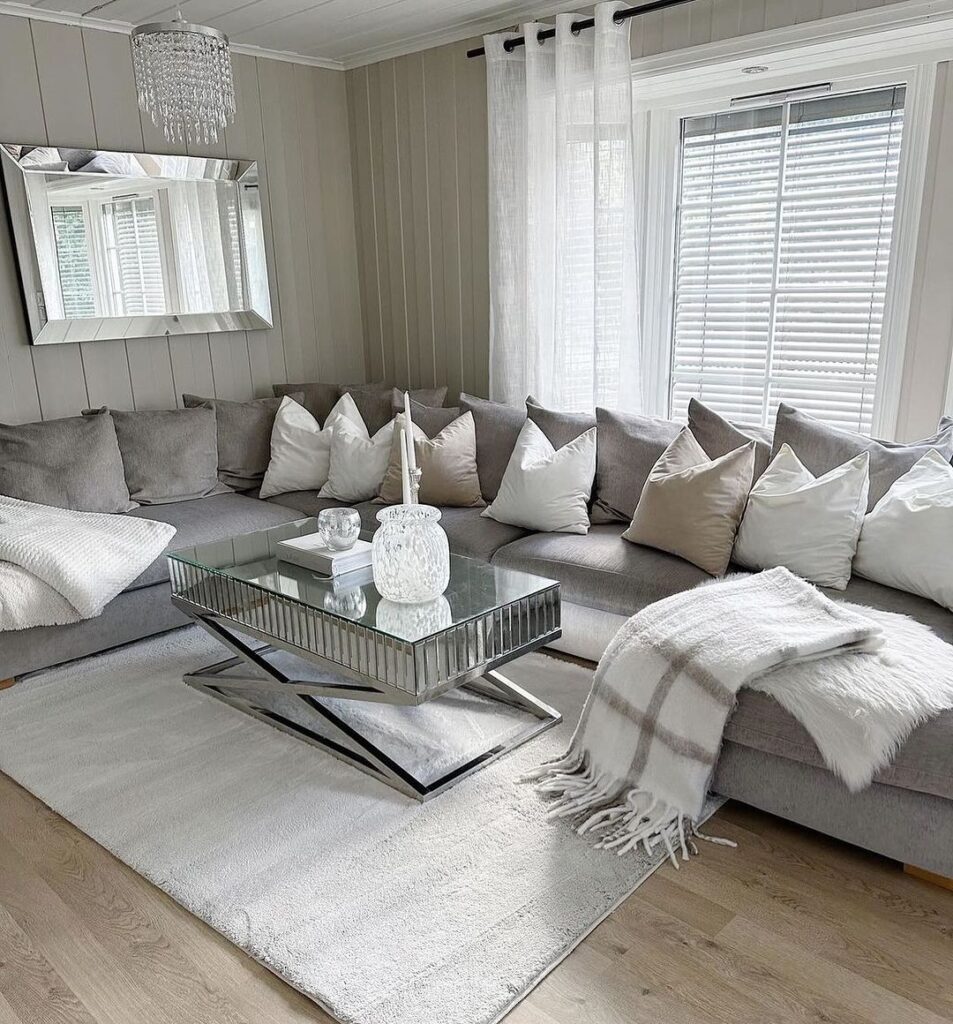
(418, 138)
(74, 87)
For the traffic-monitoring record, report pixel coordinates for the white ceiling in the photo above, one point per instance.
(333, 33)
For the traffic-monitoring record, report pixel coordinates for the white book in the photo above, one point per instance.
(309, 553)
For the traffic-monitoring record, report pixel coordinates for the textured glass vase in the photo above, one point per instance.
(411, 554)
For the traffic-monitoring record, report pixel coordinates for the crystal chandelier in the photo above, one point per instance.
(184, 79)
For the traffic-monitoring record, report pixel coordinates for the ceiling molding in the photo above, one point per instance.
(125, 27)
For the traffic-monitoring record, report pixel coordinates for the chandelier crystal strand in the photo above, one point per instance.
(184, 79)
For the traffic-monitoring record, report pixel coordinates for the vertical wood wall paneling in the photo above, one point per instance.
(244, 139)
(341, 342)
(21, 119)
(410, 245)
(364, 195)
(75, 87)
(68, 118)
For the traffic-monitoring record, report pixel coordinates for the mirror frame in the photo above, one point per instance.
(44, 331)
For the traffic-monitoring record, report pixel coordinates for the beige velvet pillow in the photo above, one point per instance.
(447, 464)
(691, 505)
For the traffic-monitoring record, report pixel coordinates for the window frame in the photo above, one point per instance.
(660, 106)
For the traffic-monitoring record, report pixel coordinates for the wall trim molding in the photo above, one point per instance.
(908, 28)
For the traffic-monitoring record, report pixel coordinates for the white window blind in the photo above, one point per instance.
(133, 259)
(784, 227)
(73, 261)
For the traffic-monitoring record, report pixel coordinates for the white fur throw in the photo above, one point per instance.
(640, 761)
(860, 710)
(59, 566)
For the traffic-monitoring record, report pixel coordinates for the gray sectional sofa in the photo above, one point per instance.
(768, 759)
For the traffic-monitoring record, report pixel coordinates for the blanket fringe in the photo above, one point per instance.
(627, 817)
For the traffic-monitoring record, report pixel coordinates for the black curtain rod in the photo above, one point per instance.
(578, 26)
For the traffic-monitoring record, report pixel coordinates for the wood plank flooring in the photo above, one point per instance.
(789, 927)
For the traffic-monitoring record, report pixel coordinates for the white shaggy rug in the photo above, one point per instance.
(380, 909)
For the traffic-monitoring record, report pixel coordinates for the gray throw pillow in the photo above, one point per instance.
(822, 448)
(378, 402)
(718, 436)
(70, 463)
(167, 455)
(432, 420)
(627, 447)
(560, 428)
(497, 428)
(316, 397)
(244, 437)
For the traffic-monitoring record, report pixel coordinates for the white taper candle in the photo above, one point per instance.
(404, 473)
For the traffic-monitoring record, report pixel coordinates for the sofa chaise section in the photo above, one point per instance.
(144, 608)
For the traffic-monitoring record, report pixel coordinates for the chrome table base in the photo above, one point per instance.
(336, 736)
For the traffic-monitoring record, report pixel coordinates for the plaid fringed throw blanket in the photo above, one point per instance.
(640, 761)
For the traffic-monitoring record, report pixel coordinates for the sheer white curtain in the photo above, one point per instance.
(564, 292)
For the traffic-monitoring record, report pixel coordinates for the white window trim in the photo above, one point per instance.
(703, 79)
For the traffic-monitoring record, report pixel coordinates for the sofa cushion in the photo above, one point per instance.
(214, 518)
(432, 419)
(821, 448)
(600, 569)
(719, 436)
(924, 763)
(497, 428)
(887, 599)
(308, 503)
(559, 427)
(244, 437)
(627, 447)
(317, 398)
(379, 402)
(167, 454)
(68, 463)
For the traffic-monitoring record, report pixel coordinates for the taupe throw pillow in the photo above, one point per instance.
(719, 436)
(244, 437)
(822, 448)
(691, 505)
(627, 447)
(69, 463)
(167, 455)
(447, 463)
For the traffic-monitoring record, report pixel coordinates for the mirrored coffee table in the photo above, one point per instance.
(410, 694)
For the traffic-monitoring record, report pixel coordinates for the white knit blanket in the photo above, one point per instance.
(640, 761)
(59, 566)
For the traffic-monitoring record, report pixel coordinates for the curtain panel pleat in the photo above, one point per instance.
(564, 279)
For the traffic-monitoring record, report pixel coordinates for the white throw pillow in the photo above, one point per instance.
(358, 462)
(545, 489)
(300, 449)
(907, 540)
(808, 524)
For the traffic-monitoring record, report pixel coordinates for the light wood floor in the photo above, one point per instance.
(790, 927)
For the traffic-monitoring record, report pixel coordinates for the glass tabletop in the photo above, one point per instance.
(476, 588)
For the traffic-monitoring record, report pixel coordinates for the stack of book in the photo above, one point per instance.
(310, 553)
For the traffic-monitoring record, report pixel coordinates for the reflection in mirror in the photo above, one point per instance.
(120, 245)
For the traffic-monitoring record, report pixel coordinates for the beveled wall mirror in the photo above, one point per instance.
(134, 245)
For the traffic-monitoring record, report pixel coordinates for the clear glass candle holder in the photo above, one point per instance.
(339, 528)
(411, 554)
